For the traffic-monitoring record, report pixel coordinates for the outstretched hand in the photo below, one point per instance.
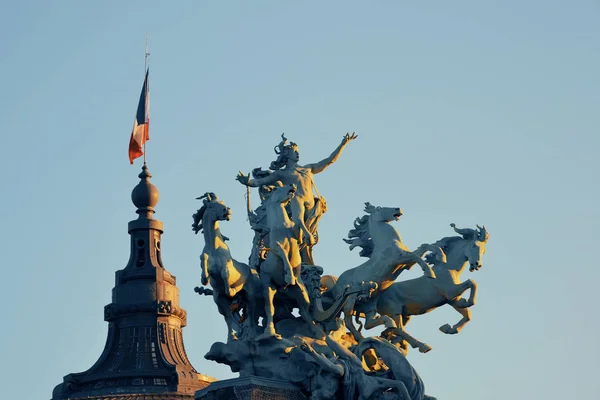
(348, 137)
(244, 179)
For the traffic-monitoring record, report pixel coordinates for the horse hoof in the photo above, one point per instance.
(424, 348)
(462, 303)
(447, 329)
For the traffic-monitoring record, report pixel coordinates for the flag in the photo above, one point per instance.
(141, 123)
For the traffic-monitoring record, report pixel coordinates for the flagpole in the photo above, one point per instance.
(146, 65)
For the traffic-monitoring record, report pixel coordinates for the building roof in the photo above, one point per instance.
(144, 357)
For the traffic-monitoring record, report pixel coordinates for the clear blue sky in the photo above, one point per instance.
(467, 112)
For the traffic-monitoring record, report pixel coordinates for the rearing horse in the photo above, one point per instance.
(281, 268)
(420, 295)
(388, 257)
(228, 277)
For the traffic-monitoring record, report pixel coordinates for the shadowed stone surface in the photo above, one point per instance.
(250, 388)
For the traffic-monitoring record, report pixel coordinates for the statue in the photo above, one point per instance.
(281, 269)
(388, 256)
(229, 278)
(392, 363)
(304, 204)
(420, 295)
(317, 349)
(357, 383)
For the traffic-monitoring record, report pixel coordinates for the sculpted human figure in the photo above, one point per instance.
(356, 383)
(287, 171)
(389, 361)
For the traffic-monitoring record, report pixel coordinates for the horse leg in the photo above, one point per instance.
(466, 317)
(269, 331)
(257, 301)
(252, 309)
(348, 310)
(225, 275)
(453, 294)
(224, 306)
(473, 295)
(288, 270)
(414, 257)
(427, 270)
(205, 278)
(372, 320)
(302, 300)
(414, 343)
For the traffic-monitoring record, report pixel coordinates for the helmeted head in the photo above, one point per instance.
(285, 153)
(212, 209)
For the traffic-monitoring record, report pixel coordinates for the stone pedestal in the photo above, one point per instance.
(250, 388)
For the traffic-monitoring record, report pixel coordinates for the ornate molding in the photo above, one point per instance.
(159, 307)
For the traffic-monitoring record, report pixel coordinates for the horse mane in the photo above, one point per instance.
(197, 225)
(359, 236)
(447, 242)
(466, 234)
(206, 198)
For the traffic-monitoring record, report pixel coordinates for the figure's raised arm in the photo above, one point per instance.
(323, 164)
(267, 180)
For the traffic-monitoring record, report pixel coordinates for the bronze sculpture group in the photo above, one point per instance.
(322, 349)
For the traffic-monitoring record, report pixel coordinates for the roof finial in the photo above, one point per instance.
(145, 195)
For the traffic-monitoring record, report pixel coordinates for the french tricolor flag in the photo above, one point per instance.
(141, 124)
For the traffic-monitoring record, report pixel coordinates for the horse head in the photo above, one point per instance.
(383, 214)
(362, 235)
(474, 249)
(477, 249)
(282, 194)
(212, 210)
